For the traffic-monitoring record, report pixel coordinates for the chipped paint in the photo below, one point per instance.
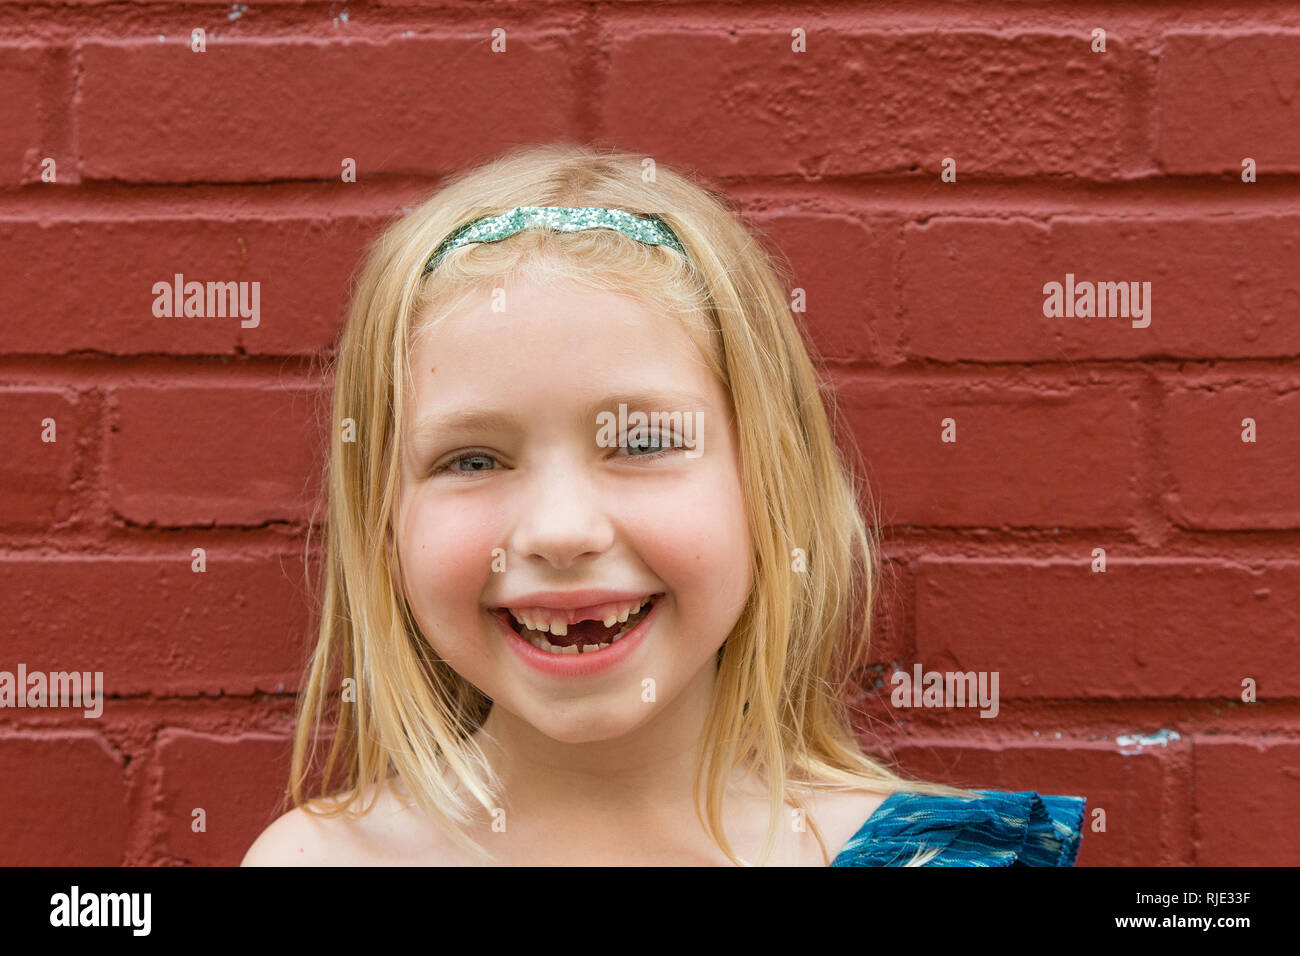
(1161, 737)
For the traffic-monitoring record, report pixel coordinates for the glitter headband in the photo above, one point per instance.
(651, 230)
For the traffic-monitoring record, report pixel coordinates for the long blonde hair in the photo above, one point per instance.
(779, 705)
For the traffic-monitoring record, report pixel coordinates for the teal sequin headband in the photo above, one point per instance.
(651, 230)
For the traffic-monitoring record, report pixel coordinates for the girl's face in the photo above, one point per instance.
(513, 496)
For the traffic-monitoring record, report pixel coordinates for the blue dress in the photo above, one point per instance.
(998, 828)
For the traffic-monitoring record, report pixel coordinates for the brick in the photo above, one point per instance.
(64, 801)
(972, 290)
(226, 455)
(1219, 481)
(197, 3)
(1190, 629)
(1023, 457)
(1024, 104)
(842, 266)
(23, 114)
(1223, 97)
(1130, 788)
(40, 477)
(303, 266)
(252, 110)
(236, 781)
(152, 625)
(1245, 800)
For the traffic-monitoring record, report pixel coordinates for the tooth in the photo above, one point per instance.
(610, 621)
(571, 649)
(560, 628)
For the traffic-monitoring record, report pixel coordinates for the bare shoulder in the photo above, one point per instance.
(314, 837)
(296, 838)
(840, 814)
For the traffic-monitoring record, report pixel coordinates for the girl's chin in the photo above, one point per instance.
(585, 719)
(593, 730)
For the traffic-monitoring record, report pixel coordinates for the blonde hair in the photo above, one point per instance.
(779, 703)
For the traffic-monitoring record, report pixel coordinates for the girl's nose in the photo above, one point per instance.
(562, 517)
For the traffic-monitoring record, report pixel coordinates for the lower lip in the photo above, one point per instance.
(581, 664)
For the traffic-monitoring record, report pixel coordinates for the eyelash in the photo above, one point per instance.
(479, 453)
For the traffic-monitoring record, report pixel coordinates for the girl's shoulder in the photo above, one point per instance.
(314, 836)
(994, 828)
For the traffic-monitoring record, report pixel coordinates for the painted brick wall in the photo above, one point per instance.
(926, 297)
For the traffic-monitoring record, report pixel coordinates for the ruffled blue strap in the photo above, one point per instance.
(998, 828)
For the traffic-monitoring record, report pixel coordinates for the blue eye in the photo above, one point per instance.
(654, 447)
(477, 456)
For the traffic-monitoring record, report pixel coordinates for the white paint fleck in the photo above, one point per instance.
(1161, 737)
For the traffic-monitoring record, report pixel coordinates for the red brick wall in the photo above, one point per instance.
(925, 296)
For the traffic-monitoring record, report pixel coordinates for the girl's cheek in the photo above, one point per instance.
(447, 557)
(699, 527)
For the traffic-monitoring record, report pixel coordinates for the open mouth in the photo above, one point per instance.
(582, 637)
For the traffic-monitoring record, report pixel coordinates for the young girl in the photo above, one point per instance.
(596, 578)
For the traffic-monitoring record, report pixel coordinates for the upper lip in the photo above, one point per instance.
(572, 600)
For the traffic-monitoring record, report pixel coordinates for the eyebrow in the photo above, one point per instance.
(469, 419)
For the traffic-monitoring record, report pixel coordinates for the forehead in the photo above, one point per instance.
(559, 311)
(557, 334)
